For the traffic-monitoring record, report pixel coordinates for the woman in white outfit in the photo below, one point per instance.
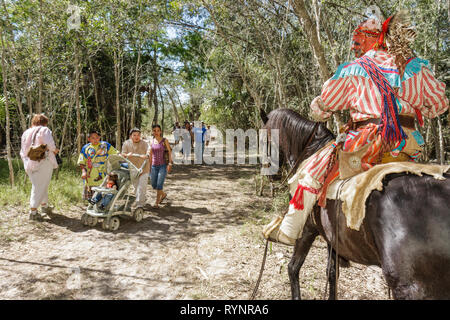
(39, 172)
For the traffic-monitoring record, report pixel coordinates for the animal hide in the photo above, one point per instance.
(356, 190)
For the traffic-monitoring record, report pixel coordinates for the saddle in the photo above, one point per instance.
(354, 192)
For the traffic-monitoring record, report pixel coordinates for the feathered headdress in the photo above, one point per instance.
(400, 34)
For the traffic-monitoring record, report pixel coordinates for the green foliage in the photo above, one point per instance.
(63, 192)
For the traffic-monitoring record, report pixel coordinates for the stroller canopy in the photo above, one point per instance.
(114, 162)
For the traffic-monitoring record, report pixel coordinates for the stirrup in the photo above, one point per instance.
(269, 228)
(273, 233)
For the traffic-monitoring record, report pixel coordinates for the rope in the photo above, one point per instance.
(255, 290)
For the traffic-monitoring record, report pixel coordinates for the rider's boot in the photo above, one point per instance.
(288, 229)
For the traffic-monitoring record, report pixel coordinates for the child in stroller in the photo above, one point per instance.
(106, 197)
(117, 202)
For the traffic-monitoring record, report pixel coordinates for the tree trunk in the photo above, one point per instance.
(136, 85)
(118, 118)
(435, 134)
(310, 28)
(77, 98)
(97, 105)
(313, 37)
(139, 106)
(162, 111)
(63, 134)
(441, 142)
(39, 106)
(155, 100)
(8, 126)
(22, 120)
(175, 112)
(241, 69)
(179, 101)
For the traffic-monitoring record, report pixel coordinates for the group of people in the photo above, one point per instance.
(92, 161)
(190, 133)
(93, 157)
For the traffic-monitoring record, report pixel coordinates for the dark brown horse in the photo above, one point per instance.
(406, 230)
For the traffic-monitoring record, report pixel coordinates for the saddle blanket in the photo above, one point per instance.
(355, 190)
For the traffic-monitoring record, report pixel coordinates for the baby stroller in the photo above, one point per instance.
(127, 173)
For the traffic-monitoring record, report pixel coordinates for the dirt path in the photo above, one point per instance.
(205, 243)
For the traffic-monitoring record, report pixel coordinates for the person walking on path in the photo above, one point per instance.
(137, 146)
(92, 161)
(39, 171)
(187, 140)
(159, 167)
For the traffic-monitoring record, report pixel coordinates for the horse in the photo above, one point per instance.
(405, 232)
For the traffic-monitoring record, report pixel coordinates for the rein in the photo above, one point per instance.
(263, 263)
(300, 157)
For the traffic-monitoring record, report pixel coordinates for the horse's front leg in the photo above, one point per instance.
(301, 250)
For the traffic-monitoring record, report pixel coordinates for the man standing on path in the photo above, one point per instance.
(199, 134)
(135, 145)
(92, 161)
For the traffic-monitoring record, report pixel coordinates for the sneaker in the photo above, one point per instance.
(47, 210)
(34, 215)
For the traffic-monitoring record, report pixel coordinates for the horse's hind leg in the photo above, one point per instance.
(301, 250)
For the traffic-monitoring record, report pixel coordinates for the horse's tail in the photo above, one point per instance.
(263, 115)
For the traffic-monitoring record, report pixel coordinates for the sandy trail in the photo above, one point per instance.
(203, 243)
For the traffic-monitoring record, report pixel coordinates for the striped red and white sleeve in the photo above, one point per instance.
(435, 102)
(335, 96)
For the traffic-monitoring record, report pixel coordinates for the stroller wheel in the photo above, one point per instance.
(138, 214)
(105, 224)
(84, 218)
(92, 221)
(114, 223)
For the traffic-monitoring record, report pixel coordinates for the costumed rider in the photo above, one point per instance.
(384, 89)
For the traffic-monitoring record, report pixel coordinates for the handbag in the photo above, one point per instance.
(37, 153)
(166, 154)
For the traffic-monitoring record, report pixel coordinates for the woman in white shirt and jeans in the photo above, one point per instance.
(39, 172)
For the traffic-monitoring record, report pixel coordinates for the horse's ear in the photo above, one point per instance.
(263, 115)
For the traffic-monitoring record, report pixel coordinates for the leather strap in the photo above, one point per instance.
(405, 121)
(34, 136)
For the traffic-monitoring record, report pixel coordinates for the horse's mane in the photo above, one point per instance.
(295, 132)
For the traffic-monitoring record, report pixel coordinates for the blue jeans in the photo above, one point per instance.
(158, 175)
(105, 200)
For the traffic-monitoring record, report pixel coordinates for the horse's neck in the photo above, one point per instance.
(319, 136)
